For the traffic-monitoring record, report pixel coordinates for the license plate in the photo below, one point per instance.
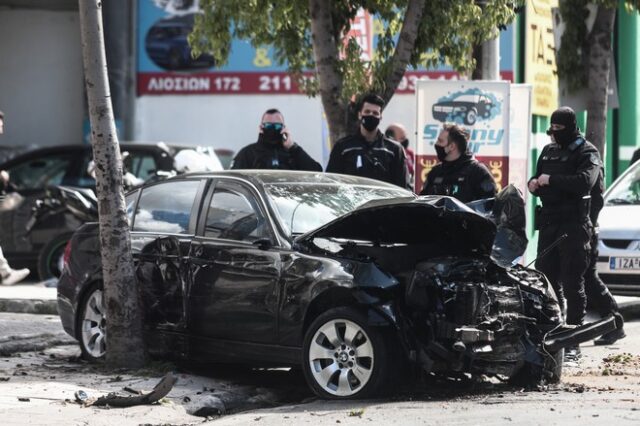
(631, 263)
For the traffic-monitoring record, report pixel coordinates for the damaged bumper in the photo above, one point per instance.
(565, 336)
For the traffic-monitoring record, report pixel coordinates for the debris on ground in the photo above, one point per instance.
(159, 391)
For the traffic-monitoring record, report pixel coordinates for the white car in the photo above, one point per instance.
(619, 245)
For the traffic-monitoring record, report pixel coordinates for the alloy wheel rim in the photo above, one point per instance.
(94, 333)
(341, 357)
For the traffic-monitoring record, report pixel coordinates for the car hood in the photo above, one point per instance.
(615, 222)
(412, 220)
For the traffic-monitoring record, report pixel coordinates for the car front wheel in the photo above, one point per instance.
(92, 323)
(345, 358)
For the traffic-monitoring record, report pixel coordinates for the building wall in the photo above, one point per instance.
(231, 121)
(41, 83)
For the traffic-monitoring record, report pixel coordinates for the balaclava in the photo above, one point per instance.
(566, 117)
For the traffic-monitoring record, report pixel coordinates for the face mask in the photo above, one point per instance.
(370, 122)
(405, 143)
(272, 136)
(562, 137)
(441, 153)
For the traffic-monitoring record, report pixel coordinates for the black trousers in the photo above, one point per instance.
(599, 297)
(566, 263)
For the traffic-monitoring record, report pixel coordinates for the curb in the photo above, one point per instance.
(33, 343)
(29, 306)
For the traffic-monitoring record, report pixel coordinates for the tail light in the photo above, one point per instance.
(67, 254)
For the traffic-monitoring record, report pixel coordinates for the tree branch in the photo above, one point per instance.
(404, 47)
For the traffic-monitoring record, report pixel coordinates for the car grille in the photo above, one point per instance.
(624, 279)
(622, 284)
(618, 244)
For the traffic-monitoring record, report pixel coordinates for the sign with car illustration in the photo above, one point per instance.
(482, 107)
(166, 66)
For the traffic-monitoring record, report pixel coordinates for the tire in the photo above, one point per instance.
(470, 117)
(531, 375)
(50, 257)
(335, 370)
(91, 324)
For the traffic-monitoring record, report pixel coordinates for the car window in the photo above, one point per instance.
(130, 202)
(40, 172)
(234, 215)
(306, 206)
(166, 207)
(627, 189)
(141, 164)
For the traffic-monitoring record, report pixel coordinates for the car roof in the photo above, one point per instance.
(74, 148)
(294, 177)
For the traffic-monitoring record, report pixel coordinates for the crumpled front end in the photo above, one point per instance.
(469, 315)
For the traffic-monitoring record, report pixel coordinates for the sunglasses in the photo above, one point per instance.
(274, 126)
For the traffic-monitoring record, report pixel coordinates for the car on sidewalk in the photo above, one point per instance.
(355, 280)
(619, 235)
(40, 247)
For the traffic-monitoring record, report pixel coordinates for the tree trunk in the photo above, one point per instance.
(326, 54)
(599, 65)
(404, 46)
(124, 328)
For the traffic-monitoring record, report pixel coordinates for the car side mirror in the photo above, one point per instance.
(263, 243)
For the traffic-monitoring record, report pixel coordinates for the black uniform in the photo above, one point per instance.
(573, 171)
(598, 295)
(466, 179)
(383, 159)
(265, 155)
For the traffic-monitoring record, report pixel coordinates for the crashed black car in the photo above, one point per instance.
(348, 277)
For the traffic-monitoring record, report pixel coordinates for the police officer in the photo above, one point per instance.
(369, 153)
(598, 295)
(566, 171)
(459, 174)
(275, 148)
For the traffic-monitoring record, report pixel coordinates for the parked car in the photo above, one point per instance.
(619, 245)
(168, 46)
(348, 277)
(33, 172)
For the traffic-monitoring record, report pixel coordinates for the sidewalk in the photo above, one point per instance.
(29, 298)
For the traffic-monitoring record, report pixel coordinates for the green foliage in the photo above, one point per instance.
(574, 47)
(447, 33)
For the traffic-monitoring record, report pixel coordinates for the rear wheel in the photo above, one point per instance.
(51, 257)
(92, 321)
(346, 358)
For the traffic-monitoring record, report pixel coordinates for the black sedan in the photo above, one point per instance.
(353, 279)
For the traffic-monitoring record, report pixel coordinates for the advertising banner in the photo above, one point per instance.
(519, 135)
(540, 56)
(165, 65)
(482, 107)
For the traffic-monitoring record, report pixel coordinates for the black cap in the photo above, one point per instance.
(564, 116)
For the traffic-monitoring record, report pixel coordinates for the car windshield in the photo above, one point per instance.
(306, 206)
(627, 190)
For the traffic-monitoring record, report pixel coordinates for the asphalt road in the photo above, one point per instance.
(593, 391)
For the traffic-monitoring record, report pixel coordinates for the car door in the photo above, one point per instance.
(235, 269)
(163, 225)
